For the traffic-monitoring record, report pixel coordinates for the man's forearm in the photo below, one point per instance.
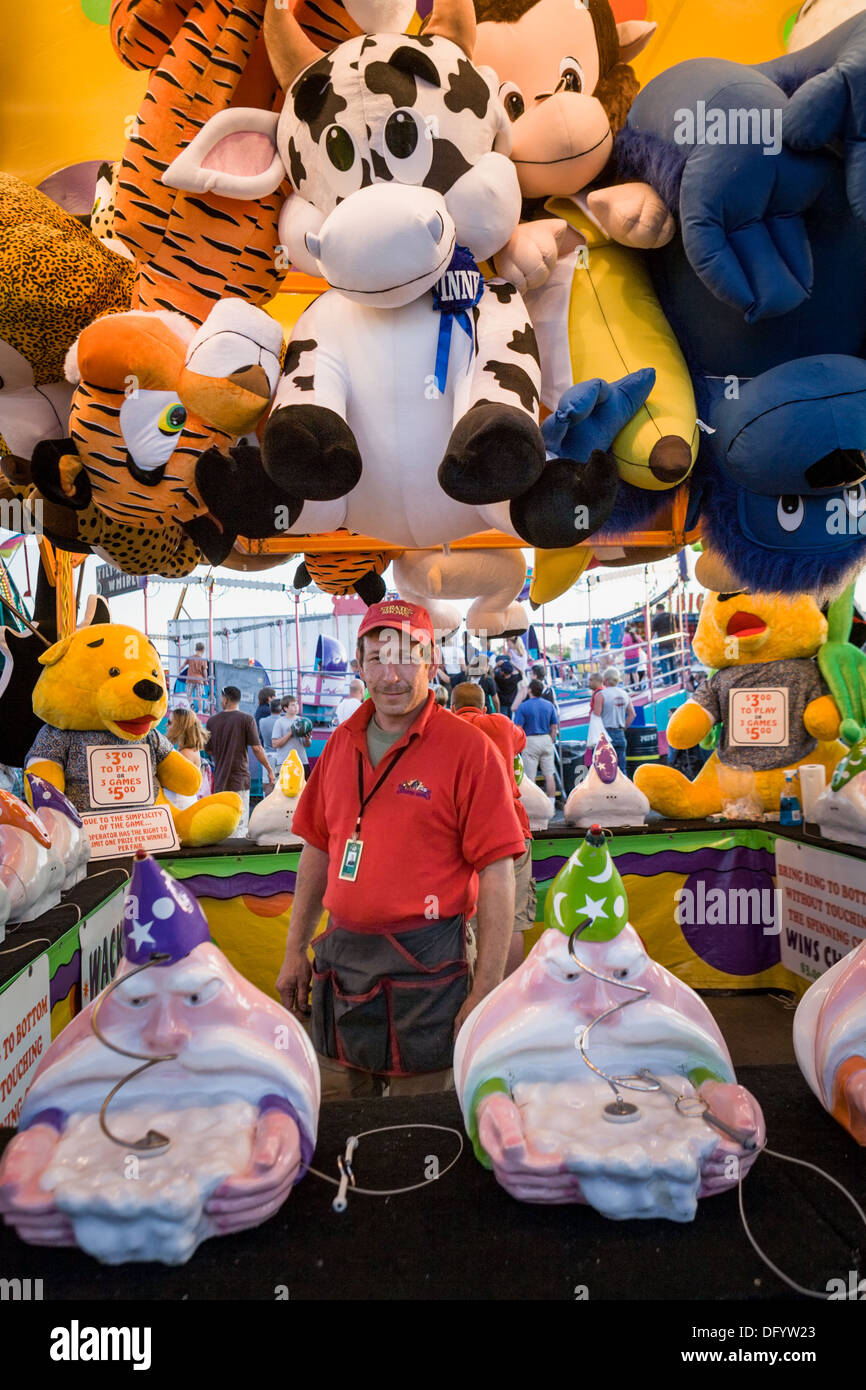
(495, 923)
(307, 909)
(261, 756)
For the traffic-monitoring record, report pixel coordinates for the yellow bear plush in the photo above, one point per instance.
(765, 692)
(104, 684)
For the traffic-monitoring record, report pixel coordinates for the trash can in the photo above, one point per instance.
(641, 746)
(572, 761)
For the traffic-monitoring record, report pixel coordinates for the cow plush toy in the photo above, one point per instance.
(411, 368)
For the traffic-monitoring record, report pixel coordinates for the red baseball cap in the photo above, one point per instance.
(396, 613)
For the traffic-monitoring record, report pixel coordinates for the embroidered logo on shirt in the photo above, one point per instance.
(414, 788)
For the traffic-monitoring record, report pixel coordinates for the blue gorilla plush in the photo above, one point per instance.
(764, 170)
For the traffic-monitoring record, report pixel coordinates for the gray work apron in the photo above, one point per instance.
(386, 1002)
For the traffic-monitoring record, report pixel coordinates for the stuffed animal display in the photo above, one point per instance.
(218, 1147)
(765, 279)
(57, 278)
(104, 685)
(551, 1116)
(767, 694)
(158, 409)
(394, 204)
(830, 1040)
(567, 86)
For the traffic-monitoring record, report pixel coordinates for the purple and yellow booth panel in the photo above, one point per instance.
(703, 903)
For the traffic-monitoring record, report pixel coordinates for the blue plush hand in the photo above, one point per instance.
(831, 107)
(591, 414)
(742, 224)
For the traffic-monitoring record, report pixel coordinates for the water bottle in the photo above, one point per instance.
(789, 804)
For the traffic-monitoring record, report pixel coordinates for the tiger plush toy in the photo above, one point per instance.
(157, 412)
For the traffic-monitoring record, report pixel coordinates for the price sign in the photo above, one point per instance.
(114, 833)
(758, 717)
(120, 776)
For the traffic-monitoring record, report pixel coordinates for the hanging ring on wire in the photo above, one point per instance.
(153, 1142)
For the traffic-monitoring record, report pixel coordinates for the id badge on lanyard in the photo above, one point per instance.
(355, 845)
(351, 860)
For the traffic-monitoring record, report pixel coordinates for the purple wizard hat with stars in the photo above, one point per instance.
(160, 916)
(604, 760)
(41, 793)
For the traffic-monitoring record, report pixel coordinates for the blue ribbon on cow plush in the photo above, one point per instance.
(456, 292)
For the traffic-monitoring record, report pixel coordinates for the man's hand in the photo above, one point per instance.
(473, 999)
(293, 983)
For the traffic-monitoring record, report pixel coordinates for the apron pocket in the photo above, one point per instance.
(360, 1026)
(423, 1013)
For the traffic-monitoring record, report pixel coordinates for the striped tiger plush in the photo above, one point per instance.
(156, 414)
(347, 572)
(192, 250)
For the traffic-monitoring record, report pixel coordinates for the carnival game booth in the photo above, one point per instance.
(803, 904)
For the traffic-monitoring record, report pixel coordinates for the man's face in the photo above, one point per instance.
(291, 709)
(397, 668)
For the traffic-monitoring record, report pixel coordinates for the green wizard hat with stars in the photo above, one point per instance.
(588, 887)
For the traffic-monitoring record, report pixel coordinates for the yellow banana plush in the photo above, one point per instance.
(598, 316)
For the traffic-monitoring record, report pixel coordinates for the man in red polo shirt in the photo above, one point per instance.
(409, 822)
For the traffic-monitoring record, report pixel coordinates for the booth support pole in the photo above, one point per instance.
(212, 700)
(298, 650)
(649, 644)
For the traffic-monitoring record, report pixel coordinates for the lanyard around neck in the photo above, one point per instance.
(365, 800)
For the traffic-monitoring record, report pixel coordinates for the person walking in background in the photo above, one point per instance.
(617, 713)
(507, 679)
(596, 723)
(515, 650)
(538, 720)
(189, 738)
(284, 736)
(509, 739)
(263, 708)
(663, 652)
(195, 675)
(231, 733)
(266, 731)
(479, 675)
(349, 703)
(631, 654)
